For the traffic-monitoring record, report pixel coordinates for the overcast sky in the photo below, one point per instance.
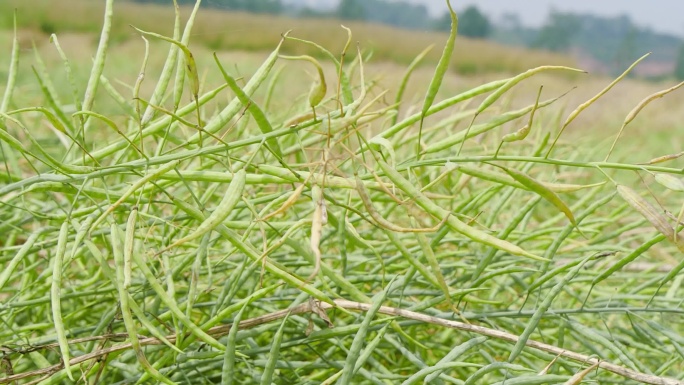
(660, 15)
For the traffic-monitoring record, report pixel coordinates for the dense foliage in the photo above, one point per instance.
(208, 222)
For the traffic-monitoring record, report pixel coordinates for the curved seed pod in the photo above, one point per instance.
(229, 112)
(111, 124)
(164, 296)
(539, 188)
(658, 220)
(444, 104)
(597, 339)
(493, 97)
(454, 354)
(344, 86)
(533, 380)
(589, 102)
(501, 178)
(54, 121)
(13, 142)
(670, 182)
(475, 130)
(163, 169)
(99, 62)
(475, 377)
(664, 158)
(80, 235)
(259, 116)
(440, 71)
(434, 265)
(181, 64)
(291, 200)
(379, 141)
(452, 221)
(518, 135)
(274, 200)
(523, 132)
(68, 168)
(404, 81)
(190, 64)
(316, 229)
(384, 223)
(230, 199)
(228, 368)
(287, 235)
(14, 66)
(635, 111)
(141, 77)
(273, 354)
(55, 291)
(8, 269)
(543, 307)
(169, 63)
(274, 269)
(370, 347)
(579, 376)
(355, 349)
(126, 301)
(68, 70)
(129, 244)
(319, 88)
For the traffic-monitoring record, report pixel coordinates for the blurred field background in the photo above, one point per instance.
(245, 39)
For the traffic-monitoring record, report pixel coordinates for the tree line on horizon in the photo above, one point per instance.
(621, 40)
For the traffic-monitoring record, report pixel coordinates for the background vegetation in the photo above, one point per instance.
(228, 31)
(622, 40)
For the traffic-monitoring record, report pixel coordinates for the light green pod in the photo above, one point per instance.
(55, 291)
(230, 199)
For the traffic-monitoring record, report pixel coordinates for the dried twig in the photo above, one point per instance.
(223, 330)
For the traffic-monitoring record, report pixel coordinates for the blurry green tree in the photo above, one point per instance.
(679, 66)
(557, 33)
(626, 51)
(471, 23)
(351, 10)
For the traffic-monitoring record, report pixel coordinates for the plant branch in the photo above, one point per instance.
(222, 330)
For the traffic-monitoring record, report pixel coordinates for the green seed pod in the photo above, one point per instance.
(518, 135)
(319, 88)
(670, 182)
(230, 199)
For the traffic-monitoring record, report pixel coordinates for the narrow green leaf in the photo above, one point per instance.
(543, 191)
(355, 349)
(453, 222)
(273, 354)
